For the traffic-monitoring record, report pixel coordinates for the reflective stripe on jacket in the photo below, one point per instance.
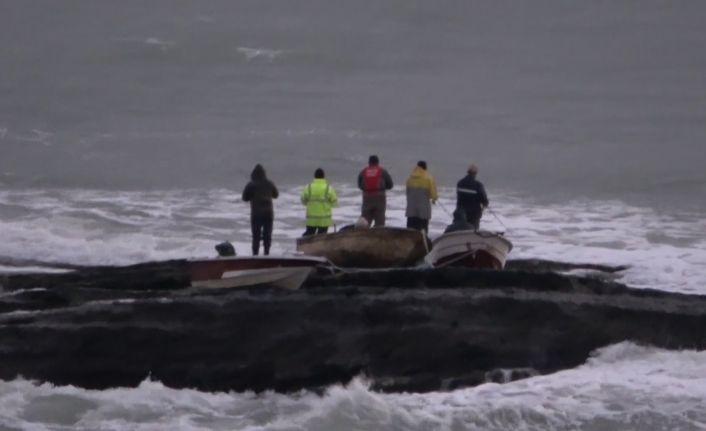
(471, 196)
(319, 197)
(421, 190)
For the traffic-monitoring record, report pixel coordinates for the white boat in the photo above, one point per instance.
(470, 249)
(287, 272)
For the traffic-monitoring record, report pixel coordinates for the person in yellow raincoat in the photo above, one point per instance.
(318, 197)
(421, 193)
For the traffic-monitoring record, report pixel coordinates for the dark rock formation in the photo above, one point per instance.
(415, 330)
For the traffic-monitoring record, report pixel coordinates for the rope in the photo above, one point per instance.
(424, 240)
(456, 259)
(443, 207)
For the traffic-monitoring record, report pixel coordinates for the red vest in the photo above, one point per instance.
(372, 176)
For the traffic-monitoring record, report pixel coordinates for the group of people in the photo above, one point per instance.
(319, 197)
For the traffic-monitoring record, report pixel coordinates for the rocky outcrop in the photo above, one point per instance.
(414, 330)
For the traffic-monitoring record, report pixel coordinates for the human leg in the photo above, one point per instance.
(267, 235)
(414, 223)
(256, 229)
(380, 212)
(367, 210)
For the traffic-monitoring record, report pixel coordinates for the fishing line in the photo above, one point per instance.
(497, 218)
(443, 207)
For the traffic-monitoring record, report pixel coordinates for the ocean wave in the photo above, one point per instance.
(624, 386)
(662, 251)
(254, 53)
(162, 45)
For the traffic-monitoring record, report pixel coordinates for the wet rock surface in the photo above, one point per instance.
(412, 330)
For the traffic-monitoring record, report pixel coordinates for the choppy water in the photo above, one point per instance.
(624, 387)
(665, 250)
(621, 387)
(128, 129)
(598, 99)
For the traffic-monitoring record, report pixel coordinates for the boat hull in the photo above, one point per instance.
(283, 272)
(379, 247)
(471, 249)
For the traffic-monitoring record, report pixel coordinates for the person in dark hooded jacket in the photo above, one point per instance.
(259, 192)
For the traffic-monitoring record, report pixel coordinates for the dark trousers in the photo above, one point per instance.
(374, 207)
(311, 230)
(261, 229)
(418, 223)
(473, 215)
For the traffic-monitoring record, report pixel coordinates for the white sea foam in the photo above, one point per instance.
(253, 53)
(624, 386)
(663, 250)
(5, 269)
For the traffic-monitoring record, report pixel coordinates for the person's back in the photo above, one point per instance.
(374, 180)
(471, 196)
(260, 192)
(319, 197)
(421, 193)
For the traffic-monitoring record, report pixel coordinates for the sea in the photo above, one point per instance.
(128, 130)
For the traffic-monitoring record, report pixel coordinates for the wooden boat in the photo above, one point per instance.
(469, 248)
(288, 272)
(378, 247)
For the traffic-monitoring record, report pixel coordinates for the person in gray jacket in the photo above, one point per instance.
(421, 193)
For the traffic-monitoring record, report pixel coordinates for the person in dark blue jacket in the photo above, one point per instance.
(471, 197)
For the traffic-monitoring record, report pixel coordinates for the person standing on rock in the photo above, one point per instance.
(471, 197)
(374, 180)
(259, 192)
(319, 197)
(421, 193)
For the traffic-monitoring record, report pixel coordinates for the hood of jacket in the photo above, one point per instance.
(419, 172)
(258, 173)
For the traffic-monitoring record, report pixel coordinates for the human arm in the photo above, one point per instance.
(332, 197)
(275, 192)
(432, 189)
(305, 196)
(388, 179)
(360, 181)
(247, 193)
(483, 196)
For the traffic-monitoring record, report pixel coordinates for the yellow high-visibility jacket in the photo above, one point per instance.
(319, 197)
